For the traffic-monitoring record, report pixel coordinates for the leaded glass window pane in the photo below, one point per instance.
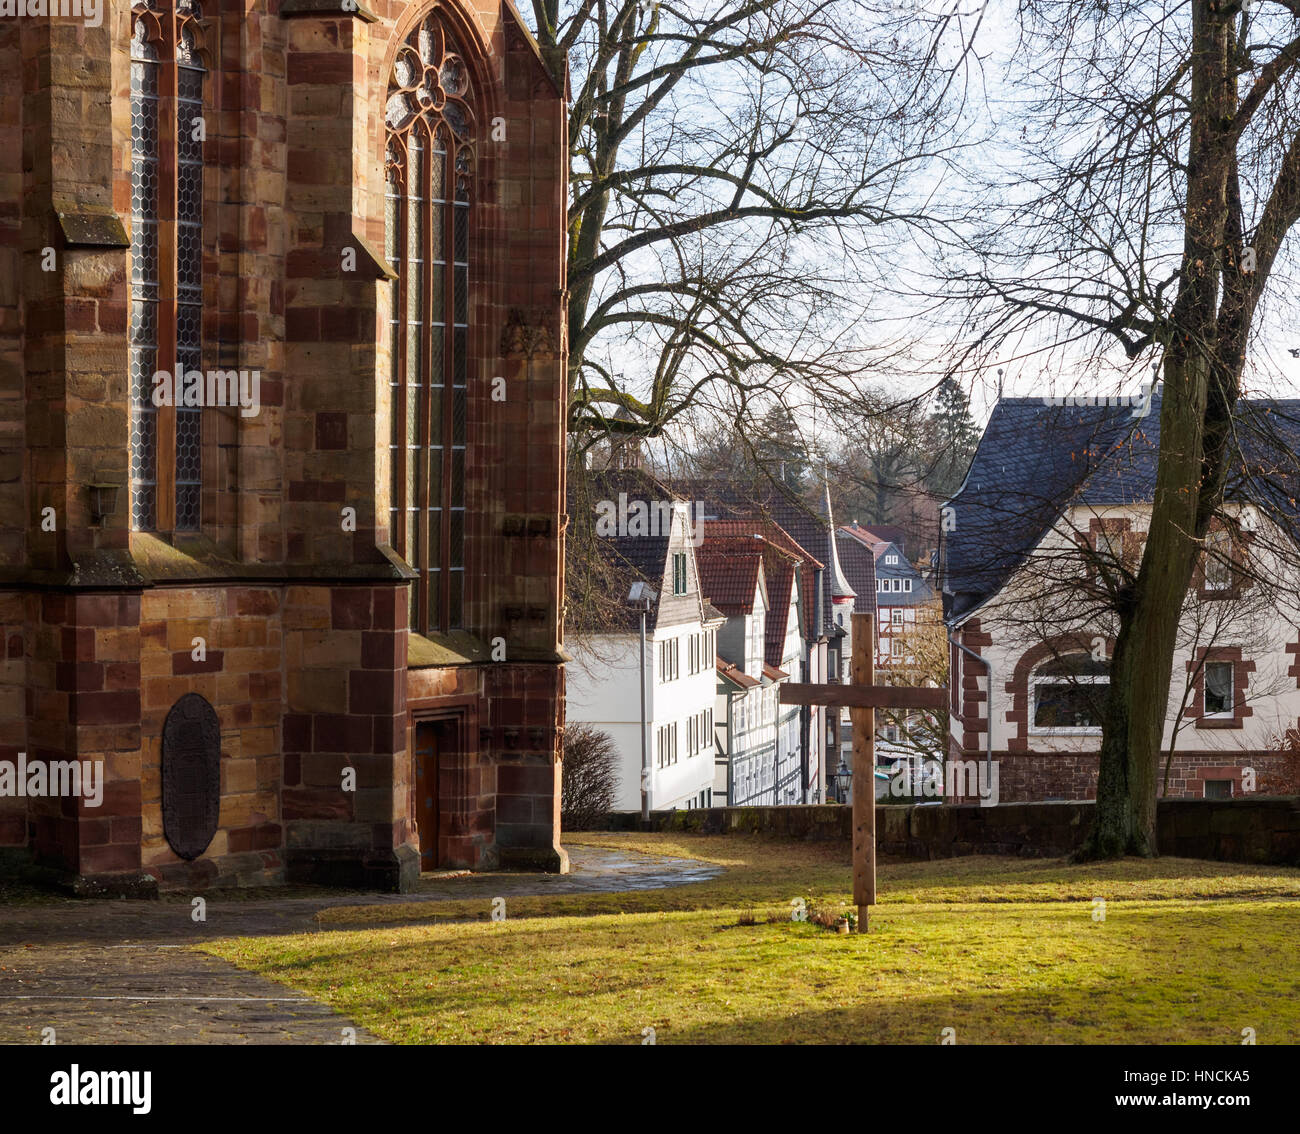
(172, 42)
(189, 274)
(429, 119)
(143, 334)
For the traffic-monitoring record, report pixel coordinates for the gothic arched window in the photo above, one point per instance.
(428, 165)
(167, 133)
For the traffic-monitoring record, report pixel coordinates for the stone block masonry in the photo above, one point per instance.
(1263, 830)
(350, 747)
(1030, 776)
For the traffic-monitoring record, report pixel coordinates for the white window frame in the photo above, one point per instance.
(1231, 712)
(1048, 679)
(681, 573)
(1232, 787)
(896, 616)
(1109, 549)
(1218, 555)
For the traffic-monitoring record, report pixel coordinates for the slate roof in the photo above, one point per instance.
(1035, 459)
(625, 558)
(860, 569)
(859, 543)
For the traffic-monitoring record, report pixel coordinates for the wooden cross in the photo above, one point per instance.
(862, 697)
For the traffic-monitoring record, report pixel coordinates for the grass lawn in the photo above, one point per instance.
(1002, 950)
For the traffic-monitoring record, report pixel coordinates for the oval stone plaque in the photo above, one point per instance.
(191, 775)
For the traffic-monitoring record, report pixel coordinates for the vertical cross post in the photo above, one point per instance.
(863, 672)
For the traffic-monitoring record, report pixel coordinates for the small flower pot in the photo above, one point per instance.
(842, 926)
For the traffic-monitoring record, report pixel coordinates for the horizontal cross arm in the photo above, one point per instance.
(863, 696)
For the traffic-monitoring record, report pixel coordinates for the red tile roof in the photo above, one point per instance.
(867, 538)
(734, 675)
(729, 573)
(775, 537)
(729, 542)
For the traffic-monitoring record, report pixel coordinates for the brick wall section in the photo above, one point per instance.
(1259, 830)
(240, 676)
(84, 691)
(306, 677)
(17, 613)
(974, 699)
(1027, 777)
(13, 403)
(522, 702)
(329, 312)
(345, 707)
(466, 775)
(248, 243)
(74, 318)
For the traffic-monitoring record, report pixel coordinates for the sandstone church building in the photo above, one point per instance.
(282, 404)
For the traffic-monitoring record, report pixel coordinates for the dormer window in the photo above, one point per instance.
(1218, 560)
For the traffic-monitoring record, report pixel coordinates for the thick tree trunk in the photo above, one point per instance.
(1142, 666)
(1196, 403)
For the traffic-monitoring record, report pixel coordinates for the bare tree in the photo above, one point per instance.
(1157, 179)
(589, 779)
(921, 732)
(741, 185)
(898, 460)
(1240, 605)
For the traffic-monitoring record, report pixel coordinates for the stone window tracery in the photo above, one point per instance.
(428, 168)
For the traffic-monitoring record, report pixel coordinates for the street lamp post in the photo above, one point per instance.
(641, 596)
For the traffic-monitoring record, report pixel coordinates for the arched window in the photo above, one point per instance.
(1069, 695)
(428, 168)
(167, 133)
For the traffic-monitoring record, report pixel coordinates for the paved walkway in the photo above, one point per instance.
(117, 972)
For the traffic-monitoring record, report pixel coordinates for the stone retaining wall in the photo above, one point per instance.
(1263, 830)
